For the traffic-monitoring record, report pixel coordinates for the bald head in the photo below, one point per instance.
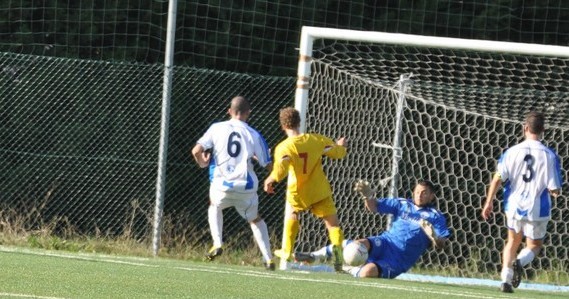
(239, 108)
(240, 104)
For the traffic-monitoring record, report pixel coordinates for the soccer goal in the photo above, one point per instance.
(419, 107)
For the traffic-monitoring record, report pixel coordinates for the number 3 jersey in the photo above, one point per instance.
(234, 144)
(529, 170)
(300, 157)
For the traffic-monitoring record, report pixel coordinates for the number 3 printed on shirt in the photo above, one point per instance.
(528, 176)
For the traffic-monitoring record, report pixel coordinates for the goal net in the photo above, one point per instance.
(461, 107)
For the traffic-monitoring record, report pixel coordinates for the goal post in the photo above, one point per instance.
(463, 108)
(309, 34)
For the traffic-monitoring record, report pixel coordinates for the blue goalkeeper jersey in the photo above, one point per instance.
(405, 241)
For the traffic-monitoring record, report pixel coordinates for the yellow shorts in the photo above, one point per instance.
(320, 209)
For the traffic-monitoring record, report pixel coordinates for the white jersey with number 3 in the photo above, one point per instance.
(529, 169)
(234, 144)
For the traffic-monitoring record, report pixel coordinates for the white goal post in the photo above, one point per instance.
(438, 108)
(309, 34)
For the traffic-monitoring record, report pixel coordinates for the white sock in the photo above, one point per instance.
(354, 271)
(326, 251)
(215, 219)
(526, 256)
(323, 253)
(507, 274)
(261, 234)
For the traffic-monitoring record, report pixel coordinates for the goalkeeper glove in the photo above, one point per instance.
(363, 188)
(427, 227)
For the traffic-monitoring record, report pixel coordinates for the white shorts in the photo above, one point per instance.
(246, 204)
(534, 230)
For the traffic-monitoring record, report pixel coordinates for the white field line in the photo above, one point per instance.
(27, 296)
(253, 273)
(374, 284)
(83, 256)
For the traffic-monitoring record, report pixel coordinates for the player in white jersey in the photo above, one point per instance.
(233, 145)
(532, 174)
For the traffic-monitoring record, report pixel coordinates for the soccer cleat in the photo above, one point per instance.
(517, 278)
(213, 253)
(337, 258)
(304, 257)
(506, 288)
(270, 265)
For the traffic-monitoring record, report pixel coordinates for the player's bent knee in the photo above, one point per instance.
(370, 270)
(257, 219)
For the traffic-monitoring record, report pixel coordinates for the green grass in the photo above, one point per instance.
(55, 274)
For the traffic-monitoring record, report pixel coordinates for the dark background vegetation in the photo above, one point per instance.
(258, 36)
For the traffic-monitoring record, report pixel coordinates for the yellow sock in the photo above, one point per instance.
(336, 236)
(291, 227)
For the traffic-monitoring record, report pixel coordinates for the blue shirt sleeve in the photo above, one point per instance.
(440, 225)
(262, 151)
(388, 206)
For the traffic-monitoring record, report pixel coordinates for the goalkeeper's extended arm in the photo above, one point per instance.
(365, 191)
(429, 230)
(363, 188)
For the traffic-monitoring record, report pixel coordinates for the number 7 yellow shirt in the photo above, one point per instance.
(300, 157)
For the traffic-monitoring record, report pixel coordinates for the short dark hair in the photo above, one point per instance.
(240, 105)
(535, 122)
(428, 184)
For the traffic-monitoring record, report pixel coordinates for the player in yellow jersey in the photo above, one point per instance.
(300, 158)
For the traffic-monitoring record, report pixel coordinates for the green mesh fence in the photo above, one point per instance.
(79, 144)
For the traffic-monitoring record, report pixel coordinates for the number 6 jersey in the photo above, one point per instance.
(530, 170)
(234, 144)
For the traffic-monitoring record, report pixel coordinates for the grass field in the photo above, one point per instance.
(29, 273)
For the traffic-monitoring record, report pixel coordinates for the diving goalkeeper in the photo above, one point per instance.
(417, 225)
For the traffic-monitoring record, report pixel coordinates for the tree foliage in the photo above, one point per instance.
(257, 36)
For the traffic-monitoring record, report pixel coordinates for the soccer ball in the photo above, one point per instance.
(355, 254)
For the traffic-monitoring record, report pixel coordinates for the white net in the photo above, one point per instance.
(462, 109)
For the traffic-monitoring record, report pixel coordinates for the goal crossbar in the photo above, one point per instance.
(309, 34)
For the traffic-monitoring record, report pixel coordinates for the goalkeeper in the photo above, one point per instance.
(417, 225)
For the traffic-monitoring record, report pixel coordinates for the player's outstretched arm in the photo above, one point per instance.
(436, 242)
(367, 194)
(335, 149)
(342, 141)
(364, 189)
